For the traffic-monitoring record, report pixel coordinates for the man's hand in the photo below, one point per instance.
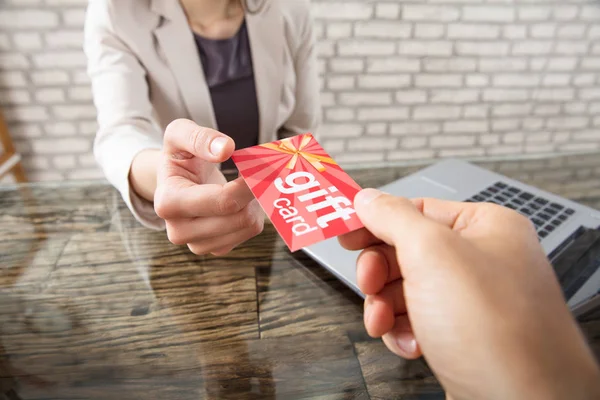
(469, 287)
(200, 207)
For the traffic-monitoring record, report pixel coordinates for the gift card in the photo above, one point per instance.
(305, 194)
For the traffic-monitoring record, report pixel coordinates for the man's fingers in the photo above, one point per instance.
(401, 339)
(179, 198)
(184, 138)
(358, 240)
(377, 266)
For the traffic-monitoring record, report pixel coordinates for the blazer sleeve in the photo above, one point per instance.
(124, 111)
(306, 115)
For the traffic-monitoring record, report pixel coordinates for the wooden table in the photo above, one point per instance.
(94, 306)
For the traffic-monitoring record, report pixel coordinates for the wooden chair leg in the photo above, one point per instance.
(19, 173)
(9, 150)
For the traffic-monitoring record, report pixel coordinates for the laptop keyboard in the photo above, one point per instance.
(545, 215)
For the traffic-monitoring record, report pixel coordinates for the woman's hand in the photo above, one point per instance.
(200, 208)
(469, 286)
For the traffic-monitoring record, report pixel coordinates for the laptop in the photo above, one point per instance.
(569, 232)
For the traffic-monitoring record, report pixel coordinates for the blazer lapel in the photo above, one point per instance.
(266, 32)
(176, 40)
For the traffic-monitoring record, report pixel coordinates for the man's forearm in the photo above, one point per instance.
(142, 175)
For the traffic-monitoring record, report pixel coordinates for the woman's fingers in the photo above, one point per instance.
(184, 138)
(223, 244)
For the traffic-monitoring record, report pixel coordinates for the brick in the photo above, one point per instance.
(334, 146)
(383, 81)
(470, 48)
(514, 31)
(591, 63)
(411, 96)
(340, 130)
(85, 174)
(14, 97)
(12, 79)
(532, 47)
(356, 158)
(382, 29)
(36, 164)
(513, 137)
(336, 30)
(489, 139)
(361, 99)
(49, 78)
(366, 48)
(476, 111)
(592, 135)
(488, 13)
(586, 79)
(594, 108)
(65, 39)
(504, 150)
(457, 153)
(554, 94)
(572, 31)
(594, 32)
(411, 155)
(387, 10)
(539, 148)
(562, 63)
(74, 112)
(452, 141)
(561, 123)
(65, 2)
(393, 64)
(425, 48)
(46, 176)
(327, 99)
(63, 59)
(382, 114)
(13, 61)
(4, 41)
(340, 82)
(60, 129)
(25, 114)
(502, 110)
(325, 48)
(502, 64)
(87, 160)
(318, 29)
(64, 162)
(503, 125)
(454, 64)
(343, 10)
(534, 13)
(504, 95)
(25, 131)
(74, 17)
(532, 123)
(50, 96)
(339, 114)
(27, 19)
(88, 127)
(539, 137)
(473, 31)
(477, 80)
(425, 30)
(590, 13)
(561, 137)
(516, 80)
(347, 65)
(575, 108)
(372, 143)
(61, 146)
(583, 147)
(415, 128)
(379, 128)
(571, 47)
(556, 79)
(466, 126)
(429, 112)
(27, 40)
(419, 12)
(543, 31)
(438, 80)
(546, 109)
(454, 96)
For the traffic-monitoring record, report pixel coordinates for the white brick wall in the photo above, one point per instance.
(401, 80)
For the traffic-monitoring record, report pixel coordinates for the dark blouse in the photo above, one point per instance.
(229, 74)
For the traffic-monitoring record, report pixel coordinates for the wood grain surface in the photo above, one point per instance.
(94, 306)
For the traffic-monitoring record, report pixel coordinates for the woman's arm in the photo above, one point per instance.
(127, 143)
(306, 115)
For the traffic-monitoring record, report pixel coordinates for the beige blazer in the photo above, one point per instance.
(145, 72)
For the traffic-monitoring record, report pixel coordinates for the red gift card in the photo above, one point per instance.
(306, 195)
